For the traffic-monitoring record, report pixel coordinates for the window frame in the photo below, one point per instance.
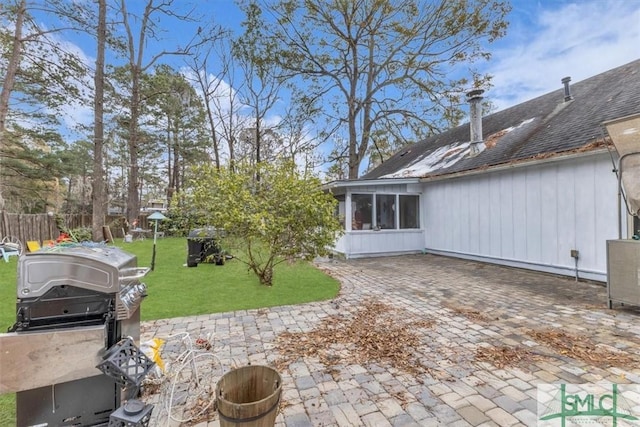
(374, 210)
(417, 211)
(363, 220)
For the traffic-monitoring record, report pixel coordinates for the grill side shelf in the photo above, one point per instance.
(50, 357)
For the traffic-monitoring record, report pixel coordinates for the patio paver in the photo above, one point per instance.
(429, 287)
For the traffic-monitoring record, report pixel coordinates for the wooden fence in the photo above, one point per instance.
(41, 227)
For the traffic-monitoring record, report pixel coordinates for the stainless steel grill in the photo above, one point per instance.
(74, 304)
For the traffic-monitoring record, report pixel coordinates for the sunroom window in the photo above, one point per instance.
(340, 209)
(409, 211)
(361, 211)
(385, 211)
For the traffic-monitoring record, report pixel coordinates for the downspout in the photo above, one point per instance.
(615, 170)
(619, 202)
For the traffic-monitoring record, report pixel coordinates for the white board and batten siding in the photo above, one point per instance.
(368, 243)
(529, 217)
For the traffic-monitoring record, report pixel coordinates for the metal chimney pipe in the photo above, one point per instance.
(567, 92)
(474, 97)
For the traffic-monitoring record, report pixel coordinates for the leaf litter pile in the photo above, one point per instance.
(506, 356)
(470, 313)
(583, 349)
(374, 333)
(563, 344)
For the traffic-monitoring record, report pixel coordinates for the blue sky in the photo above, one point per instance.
(546, 41)
(551, 39)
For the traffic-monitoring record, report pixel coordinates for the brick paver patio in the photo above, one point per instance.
(457, 390)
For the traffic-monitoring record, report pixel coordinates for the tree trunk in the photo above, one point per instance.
(212, 125)
(175, 173)
(258, 143)
(133, 196)
(98, 191)
(10, 78)
(170, 191)
(354, 161)
(67, 208)
(232, 156)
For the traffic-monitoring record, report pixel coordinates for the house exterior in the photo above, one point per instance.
(531, 186)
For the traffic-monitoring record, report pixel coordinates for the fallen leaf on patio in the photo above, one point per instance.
(583, 349)
(504, 356)
(469, 313)
(374, 333)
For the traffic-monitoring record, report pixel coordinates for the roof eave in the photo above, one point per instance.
(531, 161)
(372, 181)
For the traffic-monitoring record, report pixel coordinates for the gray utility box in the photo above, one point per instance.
(623, 272)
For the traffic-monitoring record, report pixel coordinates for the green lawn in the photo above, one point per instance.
(175, 290)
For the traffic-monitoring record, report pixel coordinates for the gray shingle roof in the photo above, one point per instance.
(532, 129)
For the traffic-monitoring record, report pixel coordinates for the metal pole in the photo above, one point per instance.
(153, 256)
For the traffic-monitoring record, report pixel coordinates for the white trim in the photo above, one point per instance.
(598, 276)
(383, 192)
(379, 254)
(375, 181)
(388, 230)
(501, 167)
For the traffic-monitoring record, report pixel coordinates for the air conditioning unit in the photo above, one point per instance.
(623, 272)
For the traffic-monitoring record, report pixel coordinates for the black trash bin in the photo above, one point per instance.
(204, 246)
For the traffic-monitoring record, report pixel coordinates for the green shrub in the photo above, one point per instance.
(81, 234)
(282, 216)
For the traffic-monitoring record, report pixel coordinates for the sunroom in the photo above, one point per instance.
(380, 217)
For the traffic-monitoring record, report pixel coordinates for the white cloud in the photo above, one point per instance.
(76, 111)
(223, 94)
(579, 40)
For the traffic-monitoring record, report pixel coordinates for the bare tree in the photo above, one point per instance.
(299, 143)
(137, 67)
(225, 100)
(392, 66)
(207, 89)
(209, 86)
(262, 83)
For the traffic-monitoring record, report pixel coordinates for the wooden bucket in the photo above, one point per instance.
(249, 397)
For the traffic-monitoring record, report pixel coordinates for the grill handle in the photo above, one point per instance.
(134, 273)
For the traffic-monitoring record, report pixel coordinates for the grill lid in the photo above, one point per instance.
(98, 268)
